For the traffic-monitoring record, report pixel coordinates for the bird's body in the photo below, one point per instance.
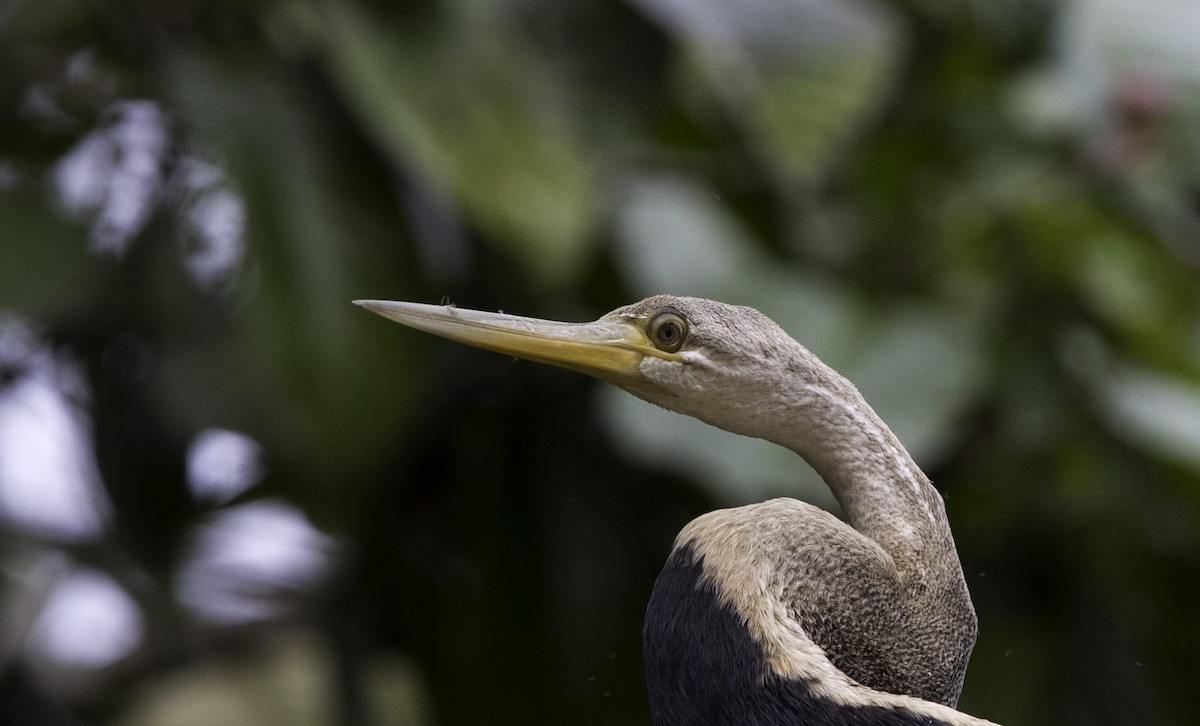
(774, 613)
(738, 622)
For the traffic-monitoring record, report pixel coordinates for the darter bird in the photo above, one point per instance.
(777, 613)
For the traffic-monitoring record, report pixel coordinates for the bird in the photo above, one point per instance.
(776, 613)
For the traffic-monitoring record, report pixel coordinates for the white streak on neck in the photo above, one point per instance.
(883, 491)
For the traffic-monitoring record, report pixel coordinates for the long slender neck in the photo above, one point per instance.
(885, 494)
(820, 415)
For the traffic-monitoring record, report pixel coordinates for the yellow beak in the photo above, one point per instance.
(610, 348)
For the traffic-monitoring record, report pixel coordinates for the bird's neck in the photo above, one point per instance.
(884, 493)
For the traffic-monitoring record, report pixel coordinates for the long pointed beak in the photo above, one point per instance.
(609, 348)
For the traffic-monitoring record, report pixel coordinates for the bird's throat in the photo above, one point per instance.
(884, 493)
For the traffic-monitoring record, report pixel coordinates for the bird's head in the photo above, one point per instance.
(717, 362)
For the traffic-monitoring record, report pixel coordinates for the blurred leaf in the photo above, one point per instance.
(1157, 412)
(468, 107)
(676, 237)
(805, 116)
(1126, 282)
(800, 75)
(921, 367)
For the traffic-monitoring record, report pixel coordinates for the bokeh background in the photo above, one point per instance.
(228, 496)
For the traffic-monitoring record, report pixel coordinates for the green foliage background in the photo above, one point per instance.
(986, 214)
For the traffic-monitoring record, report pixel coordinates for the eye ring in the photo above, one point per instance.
(668, 330)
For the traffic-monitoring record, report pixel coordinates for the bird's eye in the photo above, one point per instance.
(668, 330)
